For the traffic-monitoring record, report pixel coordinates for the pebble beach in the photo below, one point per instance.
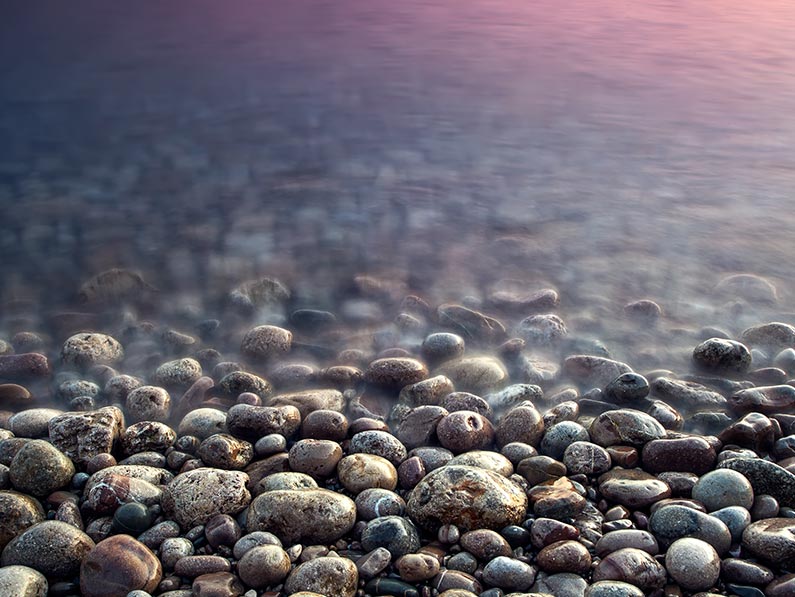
(420, 299)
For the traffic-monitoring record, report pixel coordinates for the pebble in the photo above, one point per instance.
(683, 454)
(717, 355)
(612, 588)
(560, 436)
(418, 428)
(235, 383)
(586, 458)
(625, 426)
(477, 375)
(374, 502)
(253, 422)
(492, 461)
(463, 431)
(775, 335)
(52, 547)
(263, 566)
(633, 488)
(20, 511)
(309, 400)
(455, 579)
(456, 401)
(523, 424)
(442, 346)
(667, 415)
(194, 497)
(24, 367)
(32, 423)
(592, 371)
(373, 563)
(627, 388)
(766, 478)
(397, 534)
(315, 457)
(178, 373)
(485, 544)
(325, 424)
(471, 323)
(172, 549)
(538, 469)
(633, 566)
(225, 451)
(148, 403)
(693, 564)
(22, 581)
(545, 531)
(310, 516)
(39, 468)
(394, 373)
(266, 341)
(83, 435)
(193, 566)
(623, 538)
(783, 586)
(201, 423)
(543, 329)
(723, 488)
(764, 399)
(358, 472)
(754, 431)
(556, 499)
(509, 574)
(491, 500)
(154, 537)
(147, 436)
(562, 584)
(564, 556)
(417, 567)
(390, 586)
(673, 522)
(378, 443)
(745, 572)
(217, 584)
(772, 540)
(328, 576)
(85, 350)
(118, 565)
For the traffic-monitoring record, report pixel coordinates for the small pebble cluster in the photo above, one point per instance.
(458, 450)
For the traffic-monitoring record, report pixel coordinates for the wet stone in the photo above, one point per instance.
(39, 468)
(118, 565)
(673, 522)
(289, 480)
(560, 436)
(118, 386)
(455, 579)
(764, 399)
(410, 472)
(766, 478)
(462, 431)
(485, 544)
(546, 531)
(390, 586)
(467, 497)
(20, 511)
(772, 540)
(774, 335)
(325, 424)
(556, 499)
(373, 563)
(632, 566)
(693, 564)
(666, 415)
(358, 472)
(193, 566)
(22, 581)
(266, 341)
(32, 423)
(723, 488)
(623, 538)
(263, 566)
(586, 458)
(217, 584)
(745, 572)
(235, 383)
(687, 395)
(172, 549)
(685, 454)
(20, 368)
(154, 537)
(315, 457)
(52, 547)
(562, 584)
(735, 518)
(417, 567)
(226, 452)
(538, 469)
(310, 516)
(147, 436)
(131, 519)
(375, 502)
(396, 534)
(625, 426)
(522, 423)
(201, 423)
(442, 346)
(509, 574)
(332, 577)
(633, 488)
(196, 496)
(627, 388)
(717, 355)
(429, 391)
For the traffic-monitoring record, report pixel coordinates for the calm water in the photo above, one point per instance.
(614, 150)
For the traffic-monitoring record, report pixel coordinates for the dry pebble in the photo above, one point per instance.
(52, 547)
(332, 577)
(196, 496)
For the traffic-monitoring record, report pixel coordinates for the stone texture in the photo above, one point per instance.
(39, 468)
(308, 401)
(52, 547)
(332, 577)
(593, 372)
(632, 566)
(693, 564)
(22, 581)
(266, 341)
(118, 565)
(87, 349)
(20, 511)
(717, 355)
(772, 540)
(196, 496)
(766, 478)
(625, 426)
(83, 435)
(252, 422)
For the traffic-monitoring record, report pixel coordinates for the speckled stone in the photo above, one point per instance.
(612, 588)
(687, 395)
(118, 565)
(463, 430)
(633, 566)
(627, 388)
(717, 355)
(593, 371)
(417, 567)
(478, 375)
(509, 574)
(395, 373)
(379, 443)
(586, 458)
(467, 497)
(266, 341)
(723, 488)
(39, 468)
(83, 435)
(315, 457)
(485, 459)
(178, 373)
(147, 436)
(309, 516)
(193, 566)
(52, 547)
(32, 423)
(375, 502)
(542, 329)
(196, 496)
(395, 533)
(20, 511)
(772, 540)
(225, 451)
(560, 436)
(442, 346)
(765, 478)
(623, 538)
(523, 423)
(148, 403)
(217, 584)
(485, 544)
(626, 426)
(332, 577)
(773, 335)
(358, 472)
(252, 422)
(633, 488)
(22, 581)
(264, 565)
(310, 400)
(418, 427)
(673, 522)
(174, 548)
(325, 424)
(235, 383)
(564, 556)
(693, 564)
(683, 454)
(562, 584)
(764, 399)
(201, 423)
(87, 349)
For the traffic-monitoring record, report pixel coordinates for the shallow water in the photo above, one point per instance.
(614, 150)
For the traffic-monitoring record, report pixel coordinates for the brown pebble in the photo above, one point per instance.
(564, 556)
(264, 565)
(417, 567)
(464, 430)
(118, 565)
(217, 584)
(193, 566)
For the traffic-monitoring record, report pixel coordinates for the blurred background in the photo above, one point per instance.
(612, 150)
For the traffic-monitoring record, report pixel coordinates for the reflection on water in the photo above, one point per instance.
(613, 150)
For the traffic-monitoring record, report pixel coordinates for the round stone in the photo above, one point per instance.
(673, 522)
(485, 544)
(179, 373)
(773, 540)
(395, 533)
(375, 502)
(585, 458)
(693, 564)
(310, 516)
(626, 426)
(87, 349)
(266, 341)
(717, 355)
(131, 519)
(485, 459)
(21, 581)
(478, 375)
(612, 588)
(148, 403)
(225, 452)
(285, 481)
(564, 556)
(332, 577)
(19, 512)
(394, 373)
(52, 547)
(509, 574)
(417, 567)
(633, 566)
(523, 424)
(467, 497)
(264, 565)
(464, 430)
(39, 468)
(633, 488)
(315, 457)
(379, 443)
(442, 346)
(542, 329)
(118, 565)
(174, 548)
(723, 488)
(235, 383)
(560, 436)
(358, 472)
(194, 497)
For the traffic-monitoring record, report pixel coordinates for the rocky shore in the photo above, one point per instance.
(394, 446)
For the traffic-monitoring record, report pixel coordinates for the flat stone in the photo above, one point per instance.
(633, 488)
(312, 516)
(20, 511)
(395, 373)
(673, 522)
(253, 422)
(764, 399)
(308, 401)
(684, 454)
(39, 468)
(470, 323)
(687, 395)
(478, 375)
(774, 335)
(633, 566)
(625, 426)
(593, 372)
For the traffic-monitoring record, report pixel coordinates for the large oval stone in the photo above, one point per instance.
(468, 497)
(52, 547)
(39, 468)
(20, 511)
(194, 497)
(626, 426)
(772, 539)
(118, 565)
(311, 516)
